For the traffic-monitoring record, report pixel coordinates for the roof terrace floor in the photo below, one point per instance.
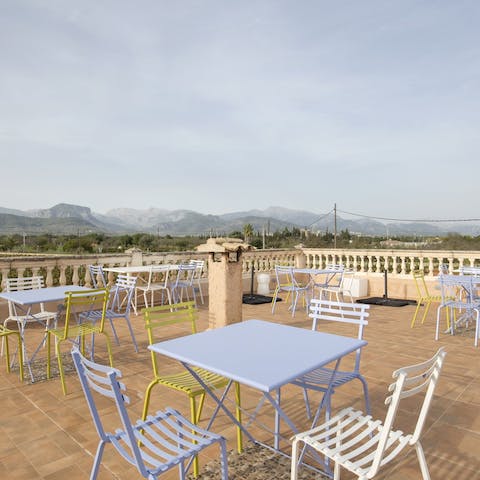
(46, 435)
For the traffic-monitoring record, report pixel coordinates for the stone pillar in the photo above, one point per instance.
(136, 257)
(225, 284)
(300, 258)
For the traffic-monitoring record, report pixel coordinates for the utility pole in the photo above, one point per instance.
(335, 225)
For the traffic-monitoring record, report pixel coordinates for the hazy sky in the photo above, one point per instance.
(222, 105)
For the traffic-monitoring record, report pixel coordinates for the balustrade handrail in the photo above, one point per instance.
(59, 269)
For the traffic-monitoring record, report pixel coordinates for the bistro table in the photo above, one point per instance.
(139, 269)
(24, 300)
(260, 354)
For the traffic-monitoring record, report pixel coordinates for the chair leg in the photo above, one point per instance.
(117, 341)
(223, 458)
(238, 415)
(134, 340)
(307, 403)
(98, 460)
(48, 355)
(294, 468)
(194, 416)
(419, 304)
(366, 395)
(60, 366)
(109, 348)
(7, 352)
(427, 308)
(422, 461)
(20, 355)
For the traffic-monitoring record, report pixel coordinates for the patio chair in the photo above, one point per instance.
(322, 378)
(119, 306)
(184, 282)
(199, 266)
(5, 333)
(156, 318)
(459, 294)
(287, 282)
(153, 445)
(75, 331)
(43, 316)
(157, 281)
(362, 445)
(329, 284)
(424, 297)
(97, 275)
(346, 285)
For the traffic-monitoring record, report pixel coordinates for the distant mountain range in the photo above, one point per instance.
(73, 219)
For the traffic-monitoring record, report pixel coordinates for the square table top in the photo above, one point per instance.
(257, 353)
(40, 295)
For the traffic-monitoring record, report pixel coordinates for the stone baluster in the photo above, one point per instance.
(49, 277)
(63, 277)
(5, 273)
(403, 265)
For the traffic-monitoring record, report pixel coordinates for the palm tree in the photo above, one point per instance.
(247, 232)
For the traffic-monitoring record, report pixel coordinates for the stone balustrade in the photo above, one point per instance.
(396, 262)
(73, 269)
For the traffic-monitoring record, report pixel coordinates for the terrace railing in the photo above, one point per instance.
(73, 269)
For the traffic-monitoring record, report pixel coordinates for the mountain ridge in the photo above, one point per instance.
(65, 218)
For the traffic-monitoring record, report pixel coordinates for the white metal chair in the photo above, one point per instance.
(97, 275)
(43, 316)
(321, 378)
(157, 281)
(184, 282)
(347, 283)
(458, 293)
(155, 445)
(287, 282)
(358, 443)
(330, 283)
(199, 266)
(119, 306)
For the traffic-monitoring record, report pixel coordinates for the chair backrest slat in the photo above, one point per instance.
(167, 315)
(97, 276)
(81, 301)
(341, 312)
(425, 377)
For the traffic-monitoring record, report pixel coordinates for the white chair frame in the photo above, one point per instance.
(43, 316)
(151, 286)
(362, 445)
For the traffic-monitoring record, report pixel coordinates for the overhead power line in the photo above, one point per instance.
(321, 218)
(423, 220)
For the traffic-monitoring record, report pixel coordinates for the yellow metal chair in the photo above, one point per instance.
(77, 302)
(176, 314)
(5, 333)
(424, 297)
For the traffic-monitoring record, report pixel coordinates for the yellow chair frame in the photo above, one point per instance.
(75, 303)
(5, 333)
(181, 313)
(425, 297)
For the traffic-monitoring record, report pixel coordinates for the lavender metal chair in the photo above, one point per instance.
(459, 293)
(324, 378)
(184, 283)
(97, 275)
(155, 445)
(119, 306)
(287, 282)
